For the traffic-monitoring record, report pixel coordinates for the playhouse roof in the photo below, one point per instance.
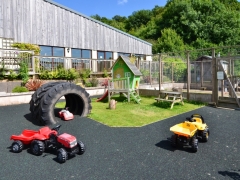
(131, 66)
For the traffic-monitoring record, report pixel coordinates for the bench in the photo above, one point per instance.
(175, 97)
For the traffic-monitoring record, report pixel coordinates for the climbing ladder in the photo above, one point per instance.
(134, 96)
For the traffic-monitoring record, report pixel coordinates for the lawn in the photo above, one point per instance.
(130, 114)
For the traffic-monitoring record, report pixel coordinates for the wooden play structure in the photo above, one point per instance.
(125, 79)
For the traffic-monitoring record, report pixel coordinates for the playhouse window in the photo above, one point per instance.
(127, 74)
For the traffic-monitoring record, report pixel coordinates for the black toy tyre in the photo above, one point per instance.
(194, 144)
(81, 147)
(37, 147)
(77, 100)
(62, 155)
(205, 135)
(174, 140)
(17, 146)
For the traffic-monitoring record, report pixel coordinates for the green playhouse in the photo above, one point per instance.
(125, 79)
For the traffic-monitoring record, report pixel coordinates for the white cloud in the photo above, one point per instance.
(122, 1)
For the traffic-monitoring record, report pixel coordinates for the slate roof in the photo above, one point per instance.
(131, 66)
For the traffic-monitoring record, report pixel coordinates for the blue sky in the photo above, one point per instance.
(110, 8)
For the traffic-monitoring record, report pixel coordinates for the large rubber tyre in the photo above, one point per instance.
(17, 146)
(81, 147)
(77, 100)
(36, 99)
(194, 144)
(205, 135)
(174, 140)
(62, 155)
(37, 147)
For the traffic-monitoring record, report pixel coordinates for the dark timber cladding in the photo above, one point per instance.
(45, 22)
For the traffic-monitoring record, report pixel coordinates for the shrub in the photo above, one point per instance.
(19, 89)
(34, 84)
(13, 75)
(94, 81)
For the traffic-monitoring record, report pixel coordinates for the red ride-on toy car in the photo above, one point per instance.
(65, 114)
(45, 138)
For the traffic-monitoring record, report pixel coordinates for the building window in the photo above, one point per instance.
(76, 53)
(81, 58)
(104, 55)
(86, 54)
(49, 63)
(45, 51)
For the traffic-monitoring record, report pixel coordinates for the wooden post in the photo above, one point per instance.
(160, 72)
(112, 104)
(214, 78)
(188, 76)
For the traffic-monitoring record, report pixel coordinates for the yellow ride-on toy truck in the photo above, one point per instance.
(187, 133)
(203, 130)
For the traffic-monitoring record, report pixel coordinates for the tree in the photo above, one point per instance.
(137, 19)
(170, 41)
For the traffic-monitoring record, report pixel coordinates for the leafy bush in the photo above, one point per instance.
(94, 81)
(23, 72)
(84, 74)
(19, 89)
(13, 75)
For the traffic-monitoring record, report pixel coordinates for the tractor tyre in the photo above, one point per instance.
(36, 99)
(174, 140)
(77, 100)
(205, 135)
(37, 147)
(194, 144)
(17, 146)
(43, 103)
(62, 155)
(81, 147)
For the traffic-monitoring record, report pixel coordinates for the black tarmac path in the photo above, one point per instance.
(126, 153)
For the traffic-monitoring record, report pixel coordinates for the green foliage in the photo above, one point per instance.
(19, 89)
(72, 74)
(92, 82)
(105, 73)
(137, 19)
(170, 41)
(59, 73)
(84, 74)
(27, 46)
(191, 24)
(178, 66)
(3, 70)
(13, 75)
(23, 72)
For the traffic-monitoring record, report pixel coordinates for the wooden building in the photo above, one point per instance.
(63, 32)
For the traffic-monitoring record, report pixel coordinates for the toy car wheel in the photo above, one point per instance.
(81, 147)
(37, 147)
(174, 140)
(194, 144)
(62, 155)
(17, 146)
(205, 135)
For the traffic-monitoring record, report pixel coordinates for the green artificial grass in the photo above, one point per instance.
(130, 114)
